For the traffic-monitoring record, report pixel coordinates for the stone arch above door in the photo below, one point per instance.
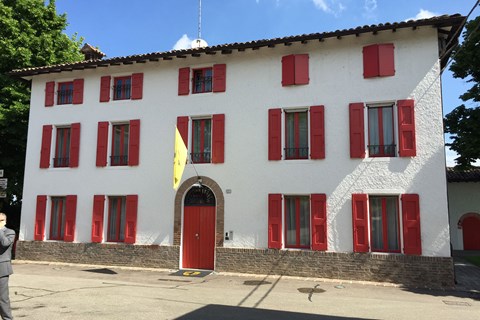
(220, 215)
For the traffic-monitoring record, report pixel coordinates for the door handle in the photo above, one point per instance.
(197, 236)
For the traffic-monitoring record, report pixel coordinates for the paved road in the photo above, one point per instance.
(60, 291)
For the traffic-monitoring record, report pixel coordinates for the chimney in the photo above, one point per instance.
(92, 53)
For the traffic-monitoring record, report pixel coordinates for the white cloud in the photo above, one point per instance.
(370, 5)
(423, 14)
(183, 43)
(322, 5)
(329, 6)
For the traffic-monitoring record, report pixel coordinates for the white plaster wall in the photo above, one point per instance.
(463, 198)
(254, 86)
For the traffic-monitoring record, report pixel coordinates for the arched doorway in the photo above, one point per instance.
(470, 224)
(199, 229)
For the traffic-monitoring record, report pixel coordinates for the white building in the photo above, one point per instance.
(319, 155)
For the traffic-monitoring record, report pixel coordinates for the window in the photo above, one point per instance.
(57, 218)
(202, 80)
(295, 69)
(116, 219)
(62, 150)
(378, 60)
(380, 217)
(201, 140)
(305, 220)
(381, 139)
(384, 224)
(122, 88)
(65, 92)
(296, 135)
(120, 138)
(297, 222)
(304, 134)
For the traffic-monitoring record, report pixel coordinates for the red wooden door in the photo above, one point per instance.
(199, 237)
(471, 233)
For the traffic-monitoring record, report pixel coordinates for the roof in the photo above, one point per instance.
(469, 175)
(455, 21)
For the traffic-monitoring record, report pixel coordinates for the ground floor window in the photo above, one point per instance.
(57, 218)
(116, 219)
(297, 222)
(384, 223)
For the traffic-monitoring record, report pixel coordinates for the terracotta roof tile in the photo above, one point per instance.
(470, 175)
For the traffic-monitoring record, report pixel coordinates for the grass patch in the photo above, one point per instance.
(474, 259)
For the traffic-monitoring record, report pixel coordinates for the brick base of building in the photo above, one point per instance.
(409, 271)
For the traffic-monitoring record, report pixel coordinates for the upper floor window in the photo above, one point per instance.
(295, 69)
(65, 93)
(296, 135)
(67, 146)
(381, 138)
(378, 60)
(125, 143)
(122, 88)
(120, 141)
(62, 148)
(202, 80)
(201, 140)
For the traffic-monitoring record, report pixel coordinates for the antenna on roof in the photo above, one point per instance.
(199, 42)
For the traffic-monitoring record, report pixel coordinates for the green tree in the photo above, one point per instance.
(463, 123)
(31, 35)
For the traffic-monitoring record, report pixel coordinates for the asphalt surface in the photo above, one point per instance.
(64, 291)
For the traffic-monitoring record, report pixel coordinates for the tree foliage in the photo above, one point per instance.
(464, 122)
(31, 35)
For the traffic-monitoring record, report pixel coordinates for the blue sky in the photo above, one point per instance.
(121, 27)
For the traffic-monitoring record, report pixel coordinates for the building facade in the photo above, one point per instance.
(314, 155)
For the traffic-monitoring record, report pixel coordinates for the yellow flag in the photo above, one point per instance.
(179, 159)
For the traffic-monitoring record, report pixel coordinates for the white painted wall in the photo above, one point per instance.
(254, 86)
(463, 198)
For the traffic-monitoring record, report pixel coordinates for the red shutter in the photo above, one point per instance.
(182, 126)
(275, 221)
(386, 62)
(318, 204)
(49, 93)
(370, 61)
(317, 132)
(46, 146)
(102, 143)
(74, 145)
(105, 89)
(40, 213)
(412, 243)
(137, 86)
(360, 222)
(275, 134)
(301, 69)
(97, 218)
(70, 216)
(183, 81)
(219, 77)
(406, 128)
(357, 131)
(288, 70)
(77, 91)
(131, 218)
(134, 143)
(218, 138)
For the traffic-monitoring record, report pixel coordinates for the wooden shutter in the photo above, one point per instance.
(74, 145)
(77, 91)
(317, 132)
(318, 205)
(137, 86)
(131, 218)
(219, 77)
(97, 218)
(301, 69)
(218, 138)
(46, 146)
(182, 126)
(370, 61)
(134, 143)
(70, 217)
(105, 88)
(275, 134)
(49, 93)
(183, 81)
(386, 62)
(275, 221)
(40, 213)
(360, 222)
(412, 242)
(357, 131)
(102, 143)
(288, 70)
(406, 128)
